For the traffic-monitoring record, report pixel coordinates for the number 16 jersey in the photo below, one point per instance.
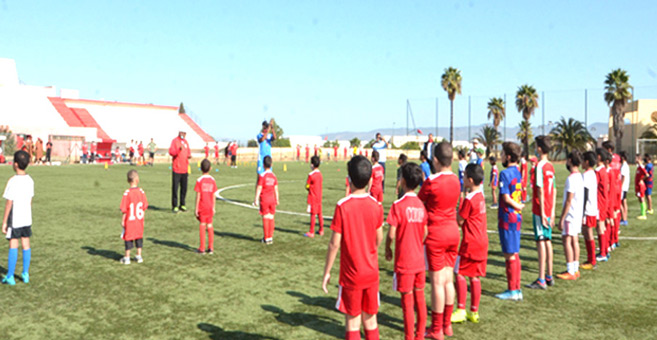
(133, 206)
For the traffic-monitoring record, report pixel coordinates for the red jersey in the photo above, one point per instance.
(181, 154)
(345, 152)
(315, 150)
(603, 191)
(93, 148)
(543, 178)
(207, 151)
(133, 206)
(335, 151)
(233, 149)
(116, 152)
(206, 187)
(314, 185)
(639, 176)
(357, 218)
(614, 189)
(377, 179)
(410, 217)
(216, 151)
(84, 149)
(307, 152)
(474, 244)
(440, 194)
(267, 180)
(140, 148)
(298, 151)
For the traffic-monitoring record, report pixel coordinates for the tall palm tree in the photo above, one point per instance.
(490, 137)
(496, 111)
(617, 94)
(569, 135)
(525, 134)
(526, 103)
(451, 83)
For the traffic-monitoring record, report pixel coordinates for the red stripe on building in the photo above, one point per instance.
(192, 124)
(67, 114)
(89, 121)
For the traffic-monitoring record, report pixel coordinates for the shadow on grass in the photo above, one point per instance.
(236, 236)
(318, 323)
(217, 333)
(108, 254)
(172, 244)
(156, 208)
(283, 230)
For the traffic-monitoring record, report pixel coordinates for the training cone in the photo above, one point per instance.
(284, 167)
(198, 164)
(106, 165)
(189, 169)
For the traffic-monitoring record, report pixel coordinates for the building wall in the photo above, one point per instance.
(639, 114)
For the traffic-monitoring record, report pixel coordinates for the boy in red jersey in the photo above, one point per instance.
(544, 194)
(376, 182)
(440, 194)
(357, 234)
(408, 229)
(314, 187)
(473, 252)
(233, 154)
(267, 199)
(615, 181)
(335, 152)
(640, 186)
(603, 203)
(92, 152)
(133, 206)
(307, 153)
(494, 178)
(206, 148)
(590, 219)
(85, 155)
(205, 200)
(524, 171)
(216, 153)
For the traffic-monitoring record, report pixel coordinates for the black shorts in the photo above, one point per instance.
(624, 196)
(151, 154)
(138, 242)
(16, 233)
(233, 157)
(132, 154)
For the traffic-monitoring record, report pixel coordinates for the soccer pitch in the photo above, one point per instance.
(247, 290)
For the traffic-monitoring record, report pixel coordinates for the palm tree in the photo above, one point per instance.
(496, 111)
(617, 94)
(525, 134)
(490, 137)
(451, 83)
(569, 135)
(526, 102)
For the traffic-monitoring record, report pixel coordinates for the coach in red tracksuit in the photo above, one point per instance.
(181, 154)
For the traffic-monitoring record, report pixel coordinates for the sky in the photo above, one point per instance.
(329, 66)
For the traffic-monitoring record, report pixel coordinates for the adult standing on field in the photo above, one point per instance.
(152, 147)
(181, 154)
(48, 151)
(428, 149)
(381, 145)
(266, 136)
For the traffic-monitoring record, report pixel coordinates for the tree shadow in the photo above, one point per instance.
(218, 333)
(318, 323)
(172, 244)
(236, 236)
(108, 254)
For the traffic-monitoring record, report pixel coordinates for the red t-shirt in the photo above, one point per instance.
(233, 149)
(206, 187)
(543, 178)
(440, 194)
(84, 149)
(639, 176)
(603, 189)
(357, 218)
(216, 151)
(93, 148)
(267, 180)
(207, 151)
(181, 154)
(140, 148)
(409, 216)
(133, 205)
(314, 183)
(377, 179)
(474, 244)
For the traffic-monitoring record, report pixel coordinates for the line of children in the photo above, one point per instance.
(494, 178)
(314, 187)
(266, 198)
(205, 189)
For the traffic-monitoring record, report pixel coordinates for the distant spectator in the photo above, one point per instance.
(38, 151)
(48, 151)
(381, 145)
(152, 147)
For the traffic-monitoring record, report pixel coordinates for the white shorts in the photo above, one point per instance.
(571, 228)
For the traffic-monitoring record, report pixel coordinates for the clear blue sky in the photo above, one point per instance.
(331, 65)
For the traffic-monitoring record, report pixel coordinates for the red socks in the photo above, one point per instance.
(590, 251)
(272, 226)
(513, 273)
(321, 221)
(265, 228)
(372, 334)
(461, 291)
(475, 294)
(437, 321)
(447, 320)
(602, 240)
(211, 238)
(353, 335)
(312, 223)
(518, 272)
(409, 315)
(202, 234)
(421, 307)
(510, 270)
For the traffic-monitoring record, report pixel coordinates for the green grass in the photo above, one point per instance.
(78, 290)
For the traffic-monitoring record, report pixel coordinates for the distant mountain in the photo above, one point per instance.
(460, 132)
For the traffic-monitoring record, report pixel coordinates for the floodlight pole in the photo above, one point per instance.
(543, 112)
(505, 114)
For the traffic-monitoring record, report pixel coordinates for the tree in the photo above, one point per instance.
(526, 103)
(330, 144)
(412, 145)
(370, 143)
(617, 94)
(569, 135)
(525, 134)
(252, 143)
(354, 142)
(490, 137)
(496, 111)
(9, 144)
(451, 83)
(280, 141)
(181, 109)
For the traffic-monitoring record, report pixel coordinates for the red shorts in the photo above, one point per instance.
(378, 196)
(602, 214)
(640, 190)
(354, 301)
(469, 267)
(267, 208)
(405, 283)
(205, 218)
(591, 221)
(315, 208)
(442, 247)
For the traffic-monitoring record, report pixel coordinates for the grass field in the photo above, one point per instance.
(246, 290)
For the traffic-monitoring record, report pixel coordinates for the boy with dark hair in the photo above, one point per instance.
(399, 192)
(648, 180)
(462, 164)
(205, 189)
(314, 187)
(625, 174)
(544, 192)
(493, 180)
(603, 203)
(133, 206)
(440, 194)
(357, 234)
(572, 214)
(510, 219)
(590, 218)
(473, 252)
(408, 228)
(17, 220)
(640, 186)
(424, 165)
(376, 182)
(267, 199)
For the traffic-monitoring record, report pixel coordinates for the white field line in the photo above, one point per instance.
(294, 213)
